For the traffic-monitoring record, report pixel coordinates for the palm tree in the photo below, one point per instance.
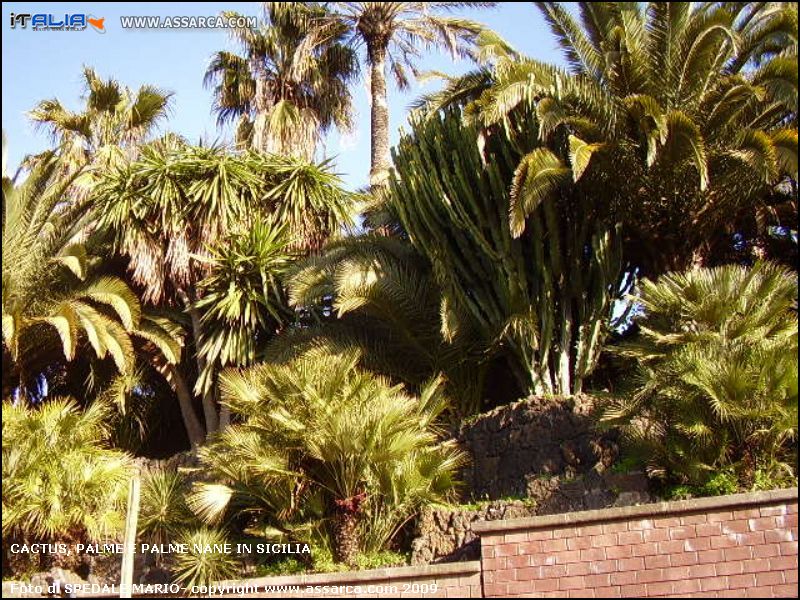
(174, 213)
(292, 83)
(687, 115)
(716, 379)
(50, 300)
(114, 120)
(321, 438)
(60, 481)
(391, 34)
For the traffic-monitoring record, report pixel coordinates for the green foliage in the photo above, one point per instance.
(163, 512)
(205, 562)
(60, 482)
(684, 115)
(319, 438)
(716, 383)
(540, 293)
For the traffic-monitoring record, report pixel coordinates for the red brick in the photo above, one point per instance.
(659, 589)
(687, 586)
(487, 551)
(747, 513)
(684, 559)
(581, 543)
(682, 533)
(641, 525)
(520, 587)
(755, 565)
(541, 560)
(676, 573)
(716, 517)
(782, 562)
(708, 529)
(786, 521)
(604, 540)
(730, 568)
(494, 564)
(603, 566)
(571, 583)
(790, 575)
(650, 576)
(608, 592)
(766, 550)
(506, 550)
(554, 545)
(596, 581)
(645, 549)
(759, 592)
(593, 554)
(578, 568)
(631, 564)
(710, 584)
(725, 541)
(619, 551)
(791, 508)
(753, 538)
(569, 556)
(583, 593)
(784, 591)
(530, 573)
(592, 530)
(657, 561)
(496, 589)
(539, 534)
(788, 548)
(742, 526)
(769, 578)
(693, 519)
(667, 522)
(554, 572)
(699, 571)
(565, 532)
(633, 591)
(697, 544)
(776, 536)
(530, 548)
(624, 578)
(762, 524)
(772, 511)
(630, 537)
(656, 535)
(741, 581)
(740, 553)
(517, 562)
(506, 575)
(513, 538)
(615, 527)
(672, 547)
(545, 585)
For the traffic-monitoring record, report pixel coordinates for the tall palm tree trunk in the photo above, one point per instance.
(379, 118)
(194, 429)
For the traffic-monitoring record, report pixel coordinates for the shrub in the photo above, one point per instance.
(327, 453)
(716, 379)
(198, 566)
(163, 512)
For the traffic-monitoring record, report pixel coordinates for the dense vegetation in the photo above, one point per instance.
(626, 225)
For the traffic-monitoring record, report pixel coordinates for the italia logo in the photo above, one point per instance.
(51, 22)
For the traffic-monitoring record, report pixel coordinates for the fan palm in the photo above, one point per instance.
(376, 293)
(391, 34)
(114, 120)
(60, 484)
(321, 437)
(292, 83)
(688, 116)
(717, 371)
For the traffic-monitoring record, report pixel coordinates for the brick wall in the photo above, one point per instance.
(732, 546)
(451, 580)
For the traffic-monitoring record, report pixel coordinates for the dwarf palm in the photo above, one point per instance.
(59, 481)
(717, 371)
(322, 438)
(291, 85)
(392, 33)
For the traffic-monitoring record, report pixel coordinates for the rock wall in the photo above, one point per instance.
(546, 455)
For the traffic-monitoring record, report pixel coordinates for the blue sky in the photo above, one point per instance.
(39, 65)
